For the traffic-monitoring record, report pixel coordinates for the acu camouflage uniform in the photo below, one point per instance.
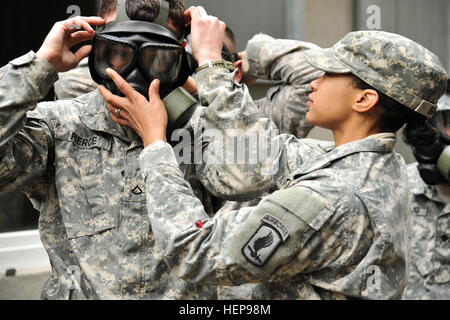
(336, 225)
(81, 171)
(75, 83)
(429, 271)
(282, 61)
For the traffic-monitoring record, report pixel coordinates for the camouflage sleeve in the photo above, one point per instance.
(24, 142)
(283, 61)
(231, 114)
(75, 83)
(252, 244)
(232, 121)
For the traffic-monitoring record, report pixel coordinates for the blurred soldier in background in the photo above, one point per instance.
(429, 271)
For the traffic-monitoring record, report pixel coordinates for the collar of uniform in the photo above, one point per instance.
(370, 144)
(95, 115)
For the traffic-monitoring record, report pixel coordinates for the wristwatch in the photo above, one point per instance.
(217, 63)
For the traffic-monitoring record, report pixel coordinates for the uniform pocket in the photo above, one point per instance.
(79, 163)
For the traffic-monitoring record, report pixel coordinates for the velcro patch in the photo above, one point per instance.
(87, 143)
(265, 241)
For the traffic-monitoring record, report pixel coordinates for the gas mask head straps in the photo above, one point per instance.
(162, 18)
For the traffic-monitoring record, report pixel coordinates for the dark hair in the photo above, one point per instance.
(107, 7)
(148, 10)
(230, 35)
(418, 131)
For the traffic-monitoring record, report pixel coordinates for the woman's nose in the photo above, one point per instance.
(314, 84)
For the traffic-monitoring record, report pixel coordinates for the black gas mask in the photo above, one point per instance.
(141, 52)
(434, 160)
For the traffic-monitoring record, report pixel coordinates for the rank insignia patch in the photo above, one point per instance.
(265, 241)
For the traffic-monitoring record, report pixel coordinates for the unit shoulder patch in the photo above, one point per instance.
(265, 241)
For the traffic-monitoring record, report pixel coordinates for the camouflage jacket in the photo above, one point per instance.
(429, 271)
(332, 229)
(81, 171)
(75, 83)
(285, 103)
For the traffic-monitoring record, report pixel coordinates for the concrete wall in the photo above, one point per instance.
(248, 17)
(424, 21)
(327, 21)
(320, 21)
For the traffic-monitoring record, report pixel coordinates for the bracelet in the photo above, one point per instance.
(217, 63)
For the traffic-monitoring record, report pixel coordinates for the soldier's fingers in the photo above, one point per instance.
(85, 23)
(123, 86)
(153, 90)
(94, 21)
(187, 16)
(75, 24)
(80, 36)
(82, 53)
(202, 12)
(118, 112)
(120, 120)
(197, 12)
(112, 99)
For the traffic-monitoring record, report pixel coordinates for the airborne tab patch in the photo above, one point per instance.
(266, 240)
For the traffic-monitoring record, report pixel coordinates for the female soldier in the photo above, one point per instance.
(337, 226)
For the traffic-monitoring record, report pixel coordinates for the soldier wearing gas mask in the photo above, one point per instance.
(141, 51)
(429, 270)
(80, 168)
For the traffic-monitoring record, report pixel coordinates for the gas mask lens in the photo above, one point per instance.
(156, 61)
(113, 54)
(163, 62)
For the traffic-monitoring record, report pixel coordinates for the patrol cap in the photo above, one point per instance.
(396, 66)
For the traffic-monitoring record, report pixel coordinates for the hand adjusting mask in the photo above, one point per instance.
(434, 160)
(140, 52)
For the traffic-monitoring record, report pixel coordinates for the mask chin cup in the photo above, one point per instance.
(443, 164)
(180, 106)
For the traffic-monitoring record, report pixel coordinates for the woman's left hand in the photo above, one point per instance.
(147, 118)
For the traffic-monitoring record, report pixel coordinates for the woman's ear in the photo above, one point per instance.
(365, 100)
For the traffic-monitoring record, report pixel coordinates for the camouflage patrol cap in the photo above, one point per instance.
(396, 66)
